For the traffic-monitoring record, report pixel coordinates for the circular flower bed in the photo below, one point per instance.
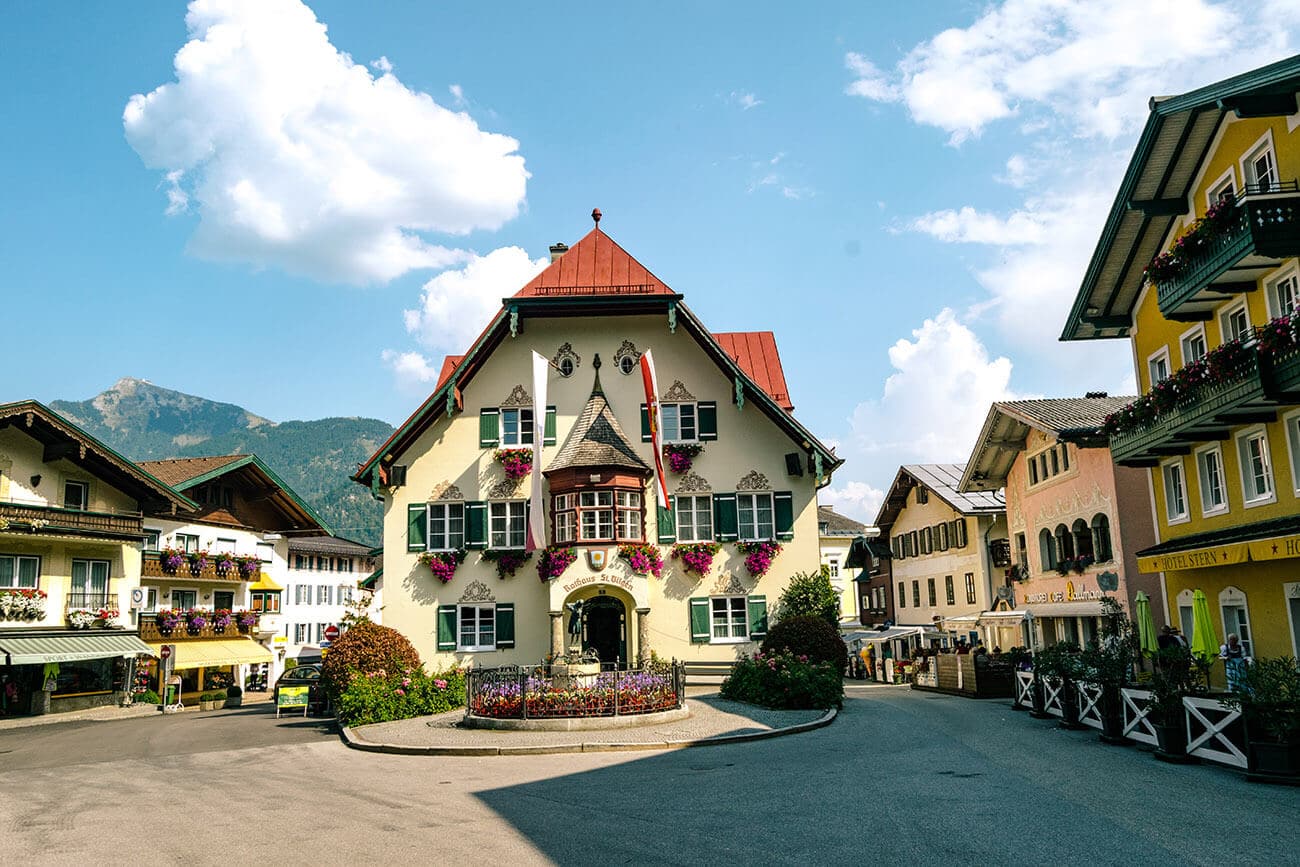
(636, 692)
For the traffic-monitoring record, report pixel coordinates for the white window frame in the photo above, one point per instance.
(152, 540)
(301, 633)
(171, 597)
(693, 529)
(1201, 455)
(1262, 145)
(1161, 355)
(324, 594)
(1236, 599)
(672, 422)
(1172, 518)
(1291, 429)
(1214, 191)
(15, 578)
(88, 577)
(752, 498)
(523, 434)
(509, 507)
(1225, 334)
(484, 613)
(833, 566)
(596, 515)
(1183, 339)
(85, 494)
(723, 616)
(1248, 495)
(446, 539)
(1287, 272)
(183, 540)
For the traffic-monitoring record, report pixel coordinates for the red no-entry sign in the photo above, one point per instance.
(331, 633)
(166, 652)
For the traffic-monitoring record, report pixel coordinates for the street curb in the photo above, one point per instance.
(356, 742)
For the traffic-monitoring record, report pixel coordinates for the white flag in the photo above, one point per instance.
(537, 520)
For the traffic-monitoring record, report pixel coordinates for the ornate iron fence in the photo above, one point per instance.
(558, 691)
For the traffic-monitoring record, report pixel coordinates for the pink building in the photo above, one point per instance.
(1076, 520)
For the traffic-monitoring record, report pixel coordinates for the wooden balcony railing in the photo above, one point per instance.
(151, 631)
(40, 518)
(152, 568)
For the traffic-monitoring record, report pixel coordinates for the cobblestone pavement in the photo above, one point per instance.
(711, 716)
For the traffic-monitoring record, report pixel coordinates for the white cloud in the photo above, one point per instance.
(970, 226)
(383, 64)
(293, 156)
(745, 100)
(857, 500)
(1098, 59)
(457, 95)
(456, 305)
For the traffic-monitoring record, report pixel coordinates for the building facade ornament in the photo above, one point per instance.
(678, 393)
(477, 591)
(626, 351)
(692, 482)
(728, 585)
(504, 488)
(566, 360)
(754, 481)
(445, 490)
(518, 397)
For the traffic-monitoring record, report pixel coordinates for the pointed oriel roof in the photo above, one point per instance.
(596, 439)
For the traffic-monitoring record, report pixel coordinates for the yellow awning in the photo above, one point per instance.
(201, 654)
(264, 582)
(1198, 558)
(1276, 549)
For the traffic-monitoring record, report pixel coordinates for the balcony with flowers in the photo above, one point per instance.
(1236, 383)
(35, 517)
(203, 565)
(1228, 250)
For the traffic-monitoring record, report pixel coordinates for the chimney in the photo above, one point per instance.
(558, 249)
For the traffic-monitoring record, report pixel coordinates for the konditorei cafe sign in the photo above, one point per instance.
(1279, 548)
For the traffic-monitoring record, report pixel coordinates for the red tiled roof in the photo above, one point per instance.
(449, 365)
(177, 471)
(594, 266)
(755, 352)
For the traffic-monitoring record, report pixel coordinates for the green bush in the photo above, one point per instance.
(147, 697)
(810, 595)
(367, 649)
(376, 698)
(785, 681)
(810, 636)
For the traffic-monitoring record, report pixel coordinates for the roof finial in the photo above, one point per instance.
(595, 215)
(595, 364)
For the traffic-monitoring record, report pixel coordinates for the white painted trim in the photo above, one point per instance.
(1264, 142)
(1215, 142)
(1228, 310)
(1217, 183)
(1288, 269)
(1289, 420)
(1163, 351)
(1241, 467)
(1198, 328)
(1223, 479)
(1164, 485)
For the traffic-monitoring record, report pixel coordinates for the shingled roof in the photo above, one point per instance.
(596, 439)
(837, 524)
(178, 471)
(596, 265)
(942, 480)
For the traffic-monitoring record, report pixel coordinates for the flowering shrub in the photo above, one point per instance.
(196, 619)
(635, 692)
(1280, 336)
(517, 462)
(167, 620)
(221, 618)
(1218, 221)
(785, 680)
(170, 560)
(366, 647)
(376, 697)
(22, 604)
(644, 559)
(508, 561)
(80, 618)
(443, 563)
(696, 557)
(198, 561)
(223, 562)
(680, 456)
(245, 619)
(552, 562)
(249, 565)
(759, 556)
(808, 635)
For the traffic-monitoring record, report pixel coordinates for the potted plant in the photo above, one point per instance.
(221, 618)
(234, 697)
(643, 559)
(224, 563)
(681, 455)
(205, 701)
(167, 620)
(219, 699)
(198, 561)
(1108, 665)
(1019, 659)
(1268, 696)
(246, 620)
(1059, 665)
(1175, 676)
(507, 560)
(195, 620)
(759, 556)
(170, 560)
(696, 557)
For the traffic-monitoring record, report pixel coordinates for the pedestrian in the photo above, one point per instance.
(1235, 660)
(1179, 639)
(1166, 638)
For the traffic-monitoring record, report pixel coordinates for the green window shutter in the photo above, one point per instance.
(666, 521)
(700, 620)
(645, 424)
(489, 428)
(548, 436)
(476, 524)
(446, 627)
(505, 625)
(757, 617)
(783, 506)
(725, 518)
(706, 413)
(417, 527)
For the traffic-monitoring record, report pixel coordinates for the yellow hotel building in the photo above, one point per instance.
(1197, 267)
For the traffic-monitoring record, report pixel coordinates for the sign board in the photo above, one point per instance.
(137, 597)
(280, 641)
(166, 652)
(331, 633)
(291, 697)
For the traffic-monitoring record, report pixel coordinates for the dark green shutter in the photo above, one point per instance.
(548, 435)
(757, 617)
(700, 620)
(645, 424)
(725, 518)
(707, 417)
(783, 511)
(476, 525)
(446, 627)
(505, 625)
(417, 527)
(489, 428)
(666, 522)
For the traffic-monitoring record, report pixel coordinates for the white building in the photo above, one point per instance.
(321, 583)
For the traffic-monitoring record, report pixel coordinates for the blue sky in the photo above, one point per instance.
(907, 198)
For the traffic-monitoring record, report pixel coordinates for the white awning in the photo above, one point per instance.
(961, 620)
(902, 632)
(1002, 618)
(1089, 608)
(37, 649)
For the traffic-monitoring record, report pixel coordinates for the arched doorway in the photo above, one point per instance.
(604, 629)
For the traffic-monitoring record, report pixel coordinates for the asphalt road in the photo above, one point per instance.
(901, 777)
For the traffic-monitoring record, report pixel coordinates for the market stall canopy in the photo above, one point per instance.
(36, 650)
(200, 654)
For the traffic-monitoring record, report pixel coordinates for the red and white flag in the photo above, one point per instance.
(537, 517)
(652, 412)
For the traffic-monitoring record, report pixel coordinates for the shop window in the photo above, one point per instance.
(1101, 538)
(19, 572)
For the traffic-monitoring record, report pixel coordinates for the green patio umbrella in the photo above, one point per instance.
(1205, 643)
(1146, 626)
